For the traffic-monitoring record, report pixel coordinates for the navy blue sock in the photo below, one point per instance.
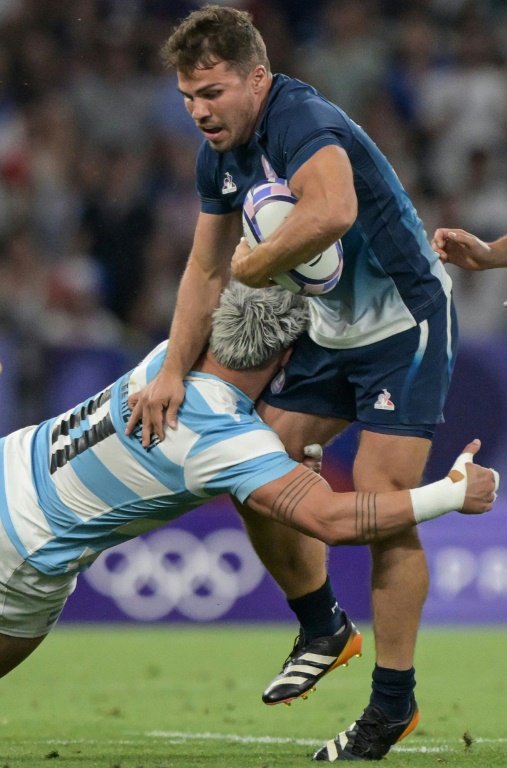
(318, 612)
(392, 691)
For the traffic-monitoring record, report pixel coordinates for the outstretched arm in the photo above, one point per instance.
(455, 246)
(303, 500)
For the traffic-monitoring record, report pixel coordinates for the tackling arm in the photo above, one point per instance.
(205, 276)
(326, 209)
(304, 501)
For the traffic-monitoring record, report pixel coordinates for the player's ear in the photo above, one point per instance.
(259, 75)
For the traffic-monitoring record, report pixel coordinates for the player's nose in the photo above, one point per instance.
(200, 110)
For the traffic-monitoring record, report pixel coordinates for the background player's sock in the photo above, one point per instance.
(318, 612)
(392, 691)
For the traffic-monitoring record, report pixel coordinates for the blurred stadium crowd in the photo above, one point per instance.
(97, 196)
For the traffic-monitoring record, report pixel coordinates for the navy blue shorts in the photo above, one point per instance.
(395, 386)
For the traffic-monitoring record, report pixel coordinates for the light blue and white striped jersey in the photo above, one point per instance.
(76, 485)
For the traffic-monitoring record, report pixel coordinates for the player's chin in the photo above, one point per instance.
(220, 143)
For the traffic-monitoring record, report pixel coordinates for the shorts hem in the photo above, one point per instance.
(298, 408)
(25, 635)
(416, 431)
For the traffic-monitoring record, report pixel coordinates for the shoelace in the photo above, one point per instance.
(371, 725)
(298, 645)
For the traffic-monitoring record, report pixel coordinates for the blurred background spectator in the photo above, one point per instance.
(97, 194)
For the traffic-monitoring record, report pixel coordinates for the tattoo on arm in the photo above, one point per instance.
(288, 499)
(366, 517)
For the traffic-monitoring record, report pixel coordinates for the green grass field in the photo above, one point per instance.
(182, 698)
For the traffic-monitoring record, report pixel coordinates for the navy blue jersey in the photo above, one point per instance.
(392, 279)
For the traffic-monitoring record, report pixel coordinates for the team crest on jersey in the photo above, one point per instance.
(278, 382)
(229, 185)
(383, 402)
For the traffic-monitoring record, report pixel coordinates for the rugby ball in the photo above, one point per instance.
(266, 207)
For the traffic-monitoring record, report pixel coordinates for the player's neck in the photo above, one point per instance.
(265, 94)
(251, 382)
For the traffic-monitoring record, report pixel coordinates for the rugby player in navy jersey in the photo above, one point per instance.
(77, 484)
(380, 349)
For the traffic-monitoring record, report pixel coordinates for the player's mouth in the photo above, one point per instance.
(212, 132)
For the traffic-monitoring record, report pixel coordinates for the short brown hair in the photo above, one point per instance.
(213, 34)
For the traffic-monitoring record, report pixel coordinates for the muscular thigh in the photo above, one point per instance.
(299, 429)
(389, 462)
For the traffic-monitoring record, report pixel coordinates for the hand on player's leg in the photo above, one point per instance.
(481, 484)
(313, 457)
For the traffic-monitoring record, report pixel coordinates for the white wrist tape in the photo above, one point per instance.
(445, 495)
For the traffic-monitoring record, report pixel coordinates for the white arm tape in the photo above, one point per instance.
(445, 495)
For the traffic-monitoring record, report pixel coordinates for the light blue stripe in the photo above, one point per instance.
(165, 471)
(107, 486)
(52, 558)
(419, 354)
(196, 405)
(58, 515)
(247, 401)
(450, 361)
(100, 534)
(225, 425)
(101, 481)
(253, 474)
(155, 365)
(153, 461)
(229, 429)
(4, 508)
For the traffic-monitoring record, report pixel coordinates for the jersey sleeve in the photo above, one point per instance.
(253, 475)
(212, 201)
(305, 128)
(239, 462)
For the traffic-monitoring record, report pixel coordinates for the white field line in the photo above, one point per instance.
(231, 737)
(182, 736)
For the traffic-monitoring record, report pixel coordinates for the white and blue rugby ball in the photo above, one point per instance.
(266, 207)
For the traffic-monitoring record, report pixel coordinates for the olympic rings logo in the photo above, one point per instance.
(172, 569)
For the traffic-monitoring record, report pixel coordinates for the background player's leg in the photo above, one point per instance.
(14, 650)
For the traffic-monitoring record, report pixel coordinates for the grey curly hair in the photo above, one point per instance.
(253, 325)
